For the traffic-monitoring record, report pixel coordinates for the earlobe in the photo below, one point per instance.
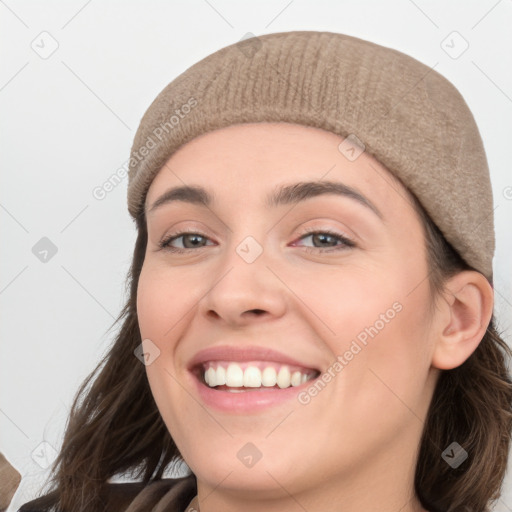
(464, 316)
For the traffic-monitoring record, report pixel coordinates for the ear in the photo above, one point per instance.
(463, 314)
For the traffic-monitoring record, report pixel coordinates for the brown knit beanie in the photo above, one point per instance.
(404, 113)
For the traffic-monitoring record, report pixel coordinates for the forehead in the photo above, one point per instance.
(242, 163)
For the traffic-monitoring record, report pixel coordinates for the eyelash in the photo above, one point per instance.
(346, 243)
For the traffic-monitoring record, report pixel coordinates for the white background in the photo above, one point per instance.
(67, 125)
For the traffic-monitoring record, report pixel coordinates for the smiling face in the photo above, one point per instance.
(332, 277)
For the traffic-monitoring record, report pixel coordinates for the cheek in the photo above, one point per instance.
(165, 301)
(161, 302)
(159, 308)
(353, 302)
(377, 319)
(395, 352)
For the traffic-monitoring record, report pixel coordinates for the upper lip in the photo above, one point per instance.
(246, 353)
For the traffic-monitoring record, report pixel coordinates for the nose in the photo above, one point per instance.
(241, 293)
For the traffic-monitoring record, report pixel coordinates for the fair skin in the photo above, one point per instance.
(353, 446)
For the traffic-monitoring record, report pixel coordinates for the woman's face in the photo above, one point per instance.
(348, 304)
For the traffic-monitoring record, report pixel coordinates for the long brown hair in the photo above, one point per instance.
(114, 426)
(471, 405)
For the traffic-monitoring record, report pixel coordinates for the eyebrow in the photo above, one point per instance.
(283, 195)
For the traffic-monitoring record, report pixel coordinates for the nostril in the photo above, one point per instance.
(257, 311)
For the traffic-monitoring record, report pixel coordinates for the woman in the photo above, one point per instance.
(310, 321)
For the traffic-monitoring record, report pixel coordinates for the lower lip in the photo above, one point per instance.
(247, 401)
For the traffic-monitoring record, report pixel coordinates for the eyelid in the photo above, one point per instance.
(331, 231)
(163, 244)
(346, 241)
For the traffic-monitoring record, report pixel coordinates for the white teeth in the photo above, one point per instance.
(295, 378)
(252, 377)
(220, 376)
(284, 377)
(210, 375)
(269, 377)
(234, 376)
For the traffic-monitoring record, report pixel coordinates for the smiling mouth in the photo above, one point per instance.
(237, 377)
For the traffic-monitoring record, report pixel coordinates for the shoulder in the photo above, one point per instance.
(119, 496)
